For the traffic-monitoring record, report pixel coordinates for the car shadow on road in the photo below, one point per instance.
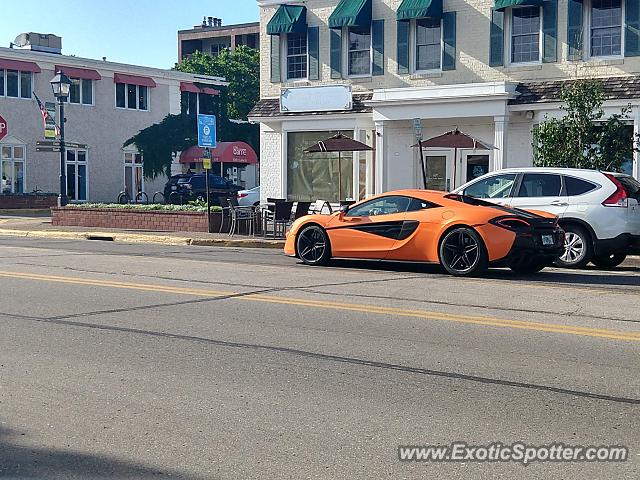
(23, 462)
(589, 277)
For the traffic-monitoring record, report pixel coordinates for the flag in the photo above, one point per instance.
(51, 130)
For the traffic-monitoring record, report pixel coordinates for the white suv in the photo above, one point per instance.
(599, 211)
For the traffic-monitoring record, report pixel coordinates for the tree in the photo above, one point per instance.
(584, 137)
(240, 67)
(175, 133)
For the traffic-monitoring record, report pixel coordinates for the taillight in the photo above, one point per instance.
(619, 197)
(242, 195)
(511, 223)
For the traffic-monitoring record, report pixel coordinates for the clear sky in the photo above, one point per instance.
(140, 32)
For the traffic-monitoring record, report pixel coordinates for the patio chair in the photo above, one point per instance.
(319, 206)
(279, 220)
(239, 215)
(226, 211)
(302, 209)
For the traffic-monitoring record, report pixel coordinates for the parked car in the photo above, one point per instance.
(463, 234)
(249, 198)
(599, 211)
(192, 186)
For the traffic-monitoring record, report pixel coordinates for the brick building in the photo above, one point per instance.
(381, 69)
(212, 37)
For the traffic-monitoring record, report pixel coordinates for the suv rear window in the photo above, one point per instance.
(631, 186)
(576, 186)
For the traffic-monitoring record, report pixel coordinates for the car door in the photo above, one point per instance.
(369, 229)
(496, 188)
(541, 191)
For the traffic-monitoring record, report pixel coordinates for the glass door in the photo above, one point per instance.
(474, 165)
(77, 175)
(438, 165)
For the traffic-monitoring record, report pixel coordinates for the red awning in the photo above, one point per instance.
(189, 87)
(10, 64)
(210, 91)
(75, 72)
(133, 79)
(227, 152)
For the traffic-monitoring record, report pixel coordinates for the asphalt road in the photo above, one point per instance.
(135, 361)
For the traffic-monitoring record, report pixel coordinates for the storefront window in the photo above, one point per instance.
(314, 176)
(133, 174)
(12, 169)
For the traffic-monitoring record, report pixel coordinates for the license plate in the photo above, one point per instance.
(547, 240)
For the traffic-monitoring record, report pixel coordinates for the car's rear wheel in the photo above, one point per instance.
(531, 266)
(463, 253)
(610, 260)
(313, 246)
(577, 248)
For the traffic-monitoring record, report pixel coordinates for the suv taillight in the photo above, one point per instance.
(619, 197)
(242, 195)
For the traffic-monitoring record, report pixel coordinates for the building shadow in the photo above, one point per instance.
(19, 462)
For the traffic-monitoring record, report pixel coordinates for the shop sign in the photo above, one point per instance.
(4, 128)
(323, 98)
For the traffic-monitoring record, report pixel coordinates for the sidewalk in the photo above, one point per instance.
(36, 225)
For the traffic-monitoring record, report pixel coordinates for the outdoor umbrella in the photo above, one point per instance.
(453, 139)
(338, 143)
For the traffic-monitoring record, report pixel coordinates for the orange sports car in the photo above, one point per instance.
(463, 234)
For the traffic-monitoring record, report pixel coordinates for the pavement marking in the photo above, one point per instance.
(633, 336)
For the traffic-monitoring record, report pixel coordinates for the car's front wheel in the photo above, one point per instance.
(463, 253)
(610, 260)
(312, 245)
(577, 248)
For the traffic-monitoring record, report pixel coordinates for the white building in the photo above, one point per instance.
(109, 103)
(368, 68)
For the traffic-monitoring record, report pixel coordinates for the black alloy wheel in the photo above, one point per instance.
(313, 246)
(462, 252)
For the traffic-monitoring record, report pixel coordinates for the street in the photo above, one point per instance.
(136, 361)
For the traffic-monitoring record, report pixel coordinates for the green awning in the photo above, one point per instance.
(502, 4)
(351, 13)
(410, 9)
(288, 19)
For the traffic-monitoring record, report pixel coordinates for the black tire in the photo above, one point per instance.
(528, 267)
(610, 260)
(463, 253)
(312, 246)
(578, 248)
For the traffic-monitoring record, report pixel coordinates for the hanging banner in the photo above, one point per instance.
(50, 127)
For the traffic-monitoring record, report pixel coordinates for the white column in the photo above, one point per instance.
(500, 142)
(636, 132)
(381, 180)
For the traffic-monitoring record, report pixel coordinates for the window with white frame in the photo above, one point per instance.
(77, 174)
(134, 97)
(81, 91)
(428, 44)
(359, 51)
(12, 157)
(133, 174)
(296, 44)
(15, 83)
(525, 34)
(606, 28)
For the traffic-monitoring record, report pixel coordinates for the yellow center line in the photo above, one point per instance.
(353, 307)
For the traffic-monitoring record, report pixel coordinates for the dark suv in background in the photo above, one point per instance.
(191, 186)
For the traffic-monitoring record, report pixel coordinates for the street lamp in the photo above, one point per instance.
(61, 84)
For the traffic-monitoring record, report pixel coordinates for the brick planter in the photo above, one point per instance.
(134, 220)
(11, 202)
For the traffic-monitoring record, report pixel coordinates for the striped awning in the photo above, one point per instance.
(502, 4)
(410, 9)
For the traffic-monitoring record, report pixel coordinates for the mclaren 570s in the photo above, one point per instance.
(463, 234)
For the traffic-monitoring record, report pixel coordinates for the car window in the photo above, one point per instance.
(495, 186)
(197, 182)
(576, 186)
(380, 206)
(218, 181)
(416, 204)
(540, 185)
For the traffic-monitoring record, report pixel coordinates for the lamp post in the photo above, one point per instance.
(61, 84)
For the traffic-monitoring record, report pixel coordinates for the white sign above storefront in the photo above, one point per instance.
(325, 98)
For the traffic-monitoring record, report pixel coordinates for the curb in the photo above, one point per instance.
(141, 238)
